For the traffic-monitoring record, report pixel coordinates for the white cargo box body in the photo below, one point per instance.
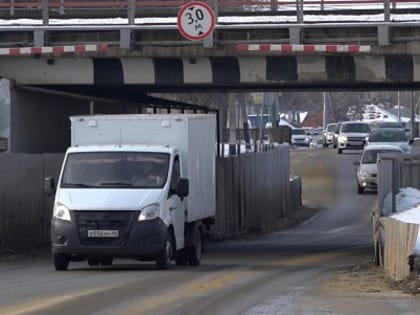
(194, 135)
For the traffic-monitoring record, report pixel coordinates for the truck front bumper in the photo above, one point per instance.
(139, 240)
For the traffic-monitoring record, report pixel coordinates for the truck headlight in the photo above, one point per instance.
(61, 212)
(149, 212)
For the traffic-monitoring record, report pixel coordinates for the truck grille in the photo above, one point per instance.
(104, 220)
(356, 139)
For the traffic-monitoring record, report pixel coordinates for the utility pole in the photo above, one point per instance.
(232, 124)
(324, 112)
(412, 118)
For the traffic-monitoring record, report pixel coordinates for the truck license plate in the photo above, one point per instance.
(102, 233)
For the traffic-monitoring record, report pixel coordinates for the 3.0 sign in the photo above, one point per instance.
(196, 20)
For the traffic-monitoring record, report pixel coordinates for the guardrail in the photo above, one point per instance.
(130, 9)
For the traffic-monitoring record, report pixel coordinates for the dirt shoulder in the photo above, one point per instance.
(369, 278)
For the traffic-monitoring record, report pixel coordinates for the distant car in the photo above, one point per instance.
(392, 124)
(388, 124)
(367, 169)
(329, 135)
(315, 131)
(394, 136)
(352, 136)
(299, 137)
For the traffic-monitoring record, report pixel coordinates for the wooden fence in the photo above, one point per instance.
(394, 240)
(400, 241)
(252, 192)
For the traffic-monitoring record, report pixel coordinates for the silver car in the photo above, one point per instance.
(367, 166)
(299, 137)
(329, 135)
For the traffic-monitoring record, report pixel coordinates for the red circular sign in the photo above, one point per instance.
(196, 20)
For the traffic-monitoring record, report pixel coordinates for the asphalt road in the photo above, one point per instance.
(284, 272)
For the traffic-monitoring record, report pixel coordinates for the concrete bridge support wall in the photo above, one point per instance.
(39, 122)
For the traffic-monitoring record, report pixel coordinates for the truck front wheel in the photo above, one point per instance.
(61, 262)
(163, 260)
(193, 253)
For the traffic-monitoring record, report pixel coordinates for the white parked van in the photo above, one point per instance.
(138, 186)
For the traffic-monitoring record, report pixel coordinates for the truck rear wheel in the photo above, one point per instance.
(193, 253)
(163, 260)
(61, 262)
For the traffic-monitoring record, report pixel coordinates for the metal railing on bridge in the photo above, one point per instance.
(130, 9)
(153, 23)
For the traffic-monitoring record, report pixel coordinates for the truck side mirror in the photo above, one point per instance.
(183, 188)
(49, 186)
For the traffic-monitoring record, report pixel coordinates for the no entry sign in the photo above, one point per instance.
(196, 20)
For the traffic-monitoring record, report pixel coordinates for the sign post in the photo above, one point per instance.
(196, 20)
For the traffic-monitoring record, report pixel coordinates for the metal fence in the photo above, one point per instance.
(253, 191)
(130, 9)
(25, 211)
(395, 172)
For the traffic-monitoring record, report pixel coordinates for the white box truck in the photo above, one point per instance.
(138, 186)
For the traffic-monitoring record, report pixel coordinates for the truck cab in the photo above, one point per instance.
(130, 200)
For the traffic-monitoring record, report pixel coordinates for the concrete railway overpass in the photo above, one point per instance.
(59, 70)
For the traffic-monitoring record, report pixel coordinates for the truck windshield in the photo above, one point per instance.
(115, 170)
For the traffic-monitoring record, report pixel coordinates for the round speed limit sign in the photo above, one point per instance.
(196, 20)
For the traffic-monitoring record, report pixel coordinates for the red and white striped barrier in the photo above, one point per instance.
(54, 50)
(304, 48)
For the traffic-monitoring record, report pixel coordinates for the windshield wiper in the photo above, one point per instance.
(116, 184)
(77, 185)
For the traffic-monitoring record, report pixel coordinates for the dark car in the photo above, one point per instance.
(394, 136)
